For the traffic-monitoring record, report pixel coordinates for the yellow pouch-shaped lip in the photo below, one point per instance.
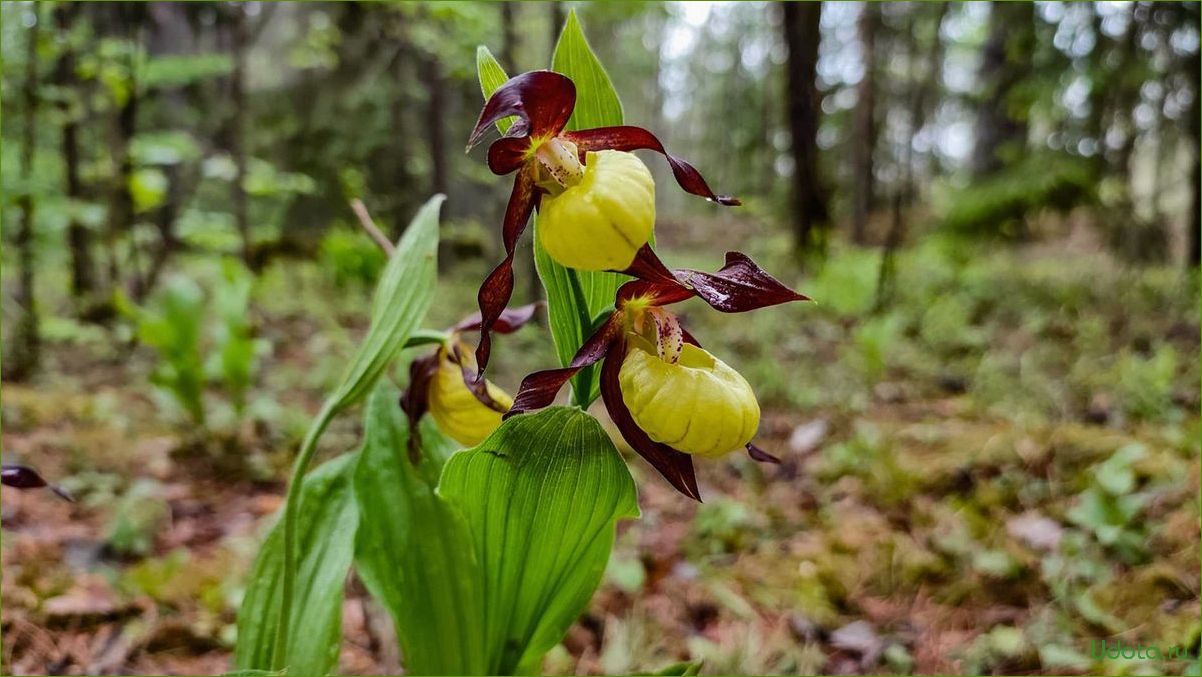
(600, 222)
(699, 405)
(457, 411)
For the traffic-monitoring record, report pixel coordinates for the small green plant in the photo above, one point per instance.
(350, 258)
(1110, 508)
(191, 359)
(171, 325)
(235, 349)
(136, 519)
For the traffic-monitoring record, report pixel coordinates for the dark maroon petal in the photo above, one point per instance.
(477, 386)
(498, 286)
(675, 466)
(538, 390)
(415, 400)
(542, 99)
(507, 155)
(760, 455)
(648, 267)
(24, 477)
(637, 138)
(21, 477)
(688, 338)
(654, 281)
(739, 286)
(509, 321)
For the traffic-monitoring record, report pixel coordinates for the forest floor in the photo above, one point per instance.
(999, 468)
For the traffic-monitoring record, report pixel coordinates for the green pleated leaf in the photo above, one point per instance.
(492, 75)
(414, 552)
(541, 497)
(597, 103)
(328, 519)
(399, 305)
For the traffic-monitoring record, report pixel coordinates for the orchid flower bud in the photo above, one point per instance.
(696, 404)
(458, 412)
(601, 221)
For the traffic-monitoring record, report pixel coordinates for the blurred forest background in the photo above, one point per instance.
(989, 419)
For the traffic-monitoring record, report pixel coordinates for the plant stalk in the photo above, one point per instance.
(580, 395)
(291, 505)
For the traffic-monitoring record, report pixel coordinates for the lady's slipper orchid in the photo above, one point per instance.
(600, 222)
(668, 397)
(444, 384)
(598, 206)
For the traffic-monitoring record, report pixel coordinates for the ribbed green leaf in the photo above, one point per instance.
(400, 303)
(327, 520)
(492, 75)
(541, 496)
(414, 552)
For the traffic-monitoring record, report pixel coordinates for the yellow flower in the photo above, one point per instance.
(600, 222)
(456, 409)
(698, 405)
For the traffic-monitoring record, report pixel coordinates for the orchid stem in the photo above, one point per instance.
(291, 507)
(583, 381)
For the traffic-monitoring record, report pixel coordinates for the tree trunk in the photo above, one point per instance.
(1099, 75)
(79, 238)
(864, 138)
(1193, 224)
(509, 38)
(557, 21)
(800, 24)
(1001, 129)
(927, 92)
(25, 352)
(922, 92)
(1126, 93)
(238, 129)
(436, 103)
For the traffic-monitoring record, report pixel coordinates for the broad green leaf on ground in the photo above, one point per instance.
(328, 518)
(541, 496)
(414, 552)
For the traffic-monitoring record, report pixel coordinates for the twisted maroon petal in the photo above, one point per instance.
(739, 286)
(637, 138)
(675, 466)
(509, 321)
(538, 389)
(498, 286)
(477, 386)
(760, 455)
(415, 400)
(542, 100)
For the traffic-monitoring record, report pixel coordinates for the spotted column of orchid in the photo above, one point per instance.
(670, 398)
